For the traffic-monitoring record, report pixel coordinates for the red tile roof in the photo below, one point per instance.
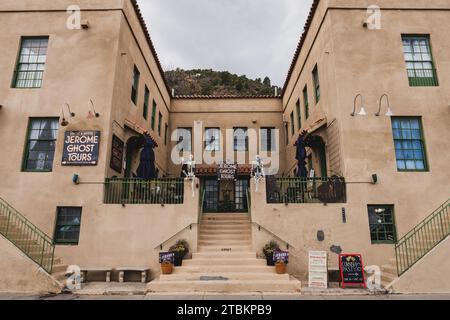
(312, 12)
(150, 43)
(227, 97)
(289, 75)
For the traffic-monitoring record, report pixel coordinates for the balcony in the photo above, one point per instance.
(422, 78)
(305, 190)
(139, 191)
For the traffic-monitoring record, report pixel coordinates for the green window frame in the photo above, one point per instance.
(166, 130)
(305, 101)
(68, 224)
(292, 123)
(30, 65)
(409, 143)
(240, 139)
(316, 83)
(135, 85)
(146, 101)
(40, 144)
(154, 106)
(382, 224)
(419, 61)
(159, 123)
(268, 137)
(299, 114)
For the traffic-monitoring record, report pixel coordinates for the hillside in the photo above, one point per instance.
(216, 83)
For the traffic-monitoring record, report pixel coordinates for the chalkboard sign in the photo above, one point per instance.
(81, 148)
(117, 151)
(281, 256)
(167, 257)
(351, 268)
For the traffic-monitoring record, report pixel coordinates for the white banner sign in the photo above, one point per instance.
(318, 269)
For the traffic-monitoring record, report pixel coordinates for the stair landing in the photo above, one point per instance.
(226, 262)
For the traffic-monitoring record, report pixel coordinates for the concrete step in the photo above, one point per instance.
(389, 269)
(59, 268)
(225, 248)
(225, 243)
(230, 216)
(225, 275)
(234, 228)
(225, 223)
(224, 255)
(226, 286)
(60, 276)
(214, 232)
(226, 237)
(223, 268)
(222, 262)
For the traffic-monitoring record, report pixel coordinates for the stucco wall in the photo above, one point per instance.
(429, 275)
(31, 277)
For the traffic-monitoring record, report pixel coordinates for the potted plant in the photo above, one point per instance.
(268, 251)
(166, 267)
(181, 249)
(280, 267)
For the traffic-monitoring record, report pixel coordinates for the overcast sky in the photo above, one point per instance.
(252, 37)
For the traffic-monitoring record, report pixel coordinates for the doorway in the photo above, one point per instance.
(226, 196)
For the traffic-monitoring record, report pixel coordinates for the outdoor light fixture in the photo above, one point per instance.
(64, 122)
(76, 179)
(362, 112)
(85, 24)
(389, 111)
(1, 106)
(92, 114)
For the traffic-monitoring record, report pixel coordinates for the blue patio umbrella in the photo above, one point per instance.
(300, 156)
(146, 169)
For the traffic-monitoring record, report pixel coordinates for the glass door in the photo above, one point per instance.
(211, 202)
(240, 195)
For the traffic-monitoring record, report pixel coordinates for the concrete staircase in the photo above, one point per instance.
(225, 262)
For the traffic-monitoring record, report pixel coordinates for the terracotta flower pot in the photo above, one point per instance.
(280, 267)
(166, 268)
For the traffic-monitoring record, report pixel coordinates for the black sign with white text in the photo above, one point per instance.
(81, 148)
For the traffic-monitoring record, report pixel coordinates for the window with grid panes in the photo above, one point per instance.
(184, 139)
(31, 62)
(159, 123)
(153, 115)
(240, 137)
(146, 101)
(316, 83)
(382, 224)
(40, 145)
(68, 223)
(292, 123)
(419, 61)
(305, 101)
(212, 139)
(267, 139)
(409, 144)
(299, 114)
(135, 85)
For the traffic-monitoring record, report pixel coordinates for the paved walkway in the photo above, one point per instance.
(5, 296)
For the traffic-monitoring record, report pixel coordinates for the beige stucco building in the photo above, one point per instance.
(395, 166)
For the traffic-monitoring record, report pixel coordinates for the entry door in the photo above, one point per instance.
(240, 195)
(211, 202)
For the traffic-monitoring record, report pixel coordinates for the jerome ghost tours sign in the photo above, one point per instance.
(227, 171)
(352, 270)
(81, 148)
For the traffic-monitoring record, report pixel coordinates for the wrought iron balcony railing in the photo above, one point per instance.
(139, 191)
(305, 190)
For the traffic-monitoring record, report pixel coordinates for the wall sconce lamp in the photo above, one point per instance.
(92, 114)
(64, 122)
(389, 111)
(362, 112)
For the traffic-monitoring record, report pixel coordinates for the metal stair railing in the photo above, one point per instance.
(423, 238)
(28, 238)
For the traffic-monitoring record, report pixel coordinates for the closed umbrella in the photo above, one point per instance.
(300, 156)
(146, 169)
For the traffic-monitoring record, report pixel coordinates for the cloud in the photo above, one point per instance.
(252, 37)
